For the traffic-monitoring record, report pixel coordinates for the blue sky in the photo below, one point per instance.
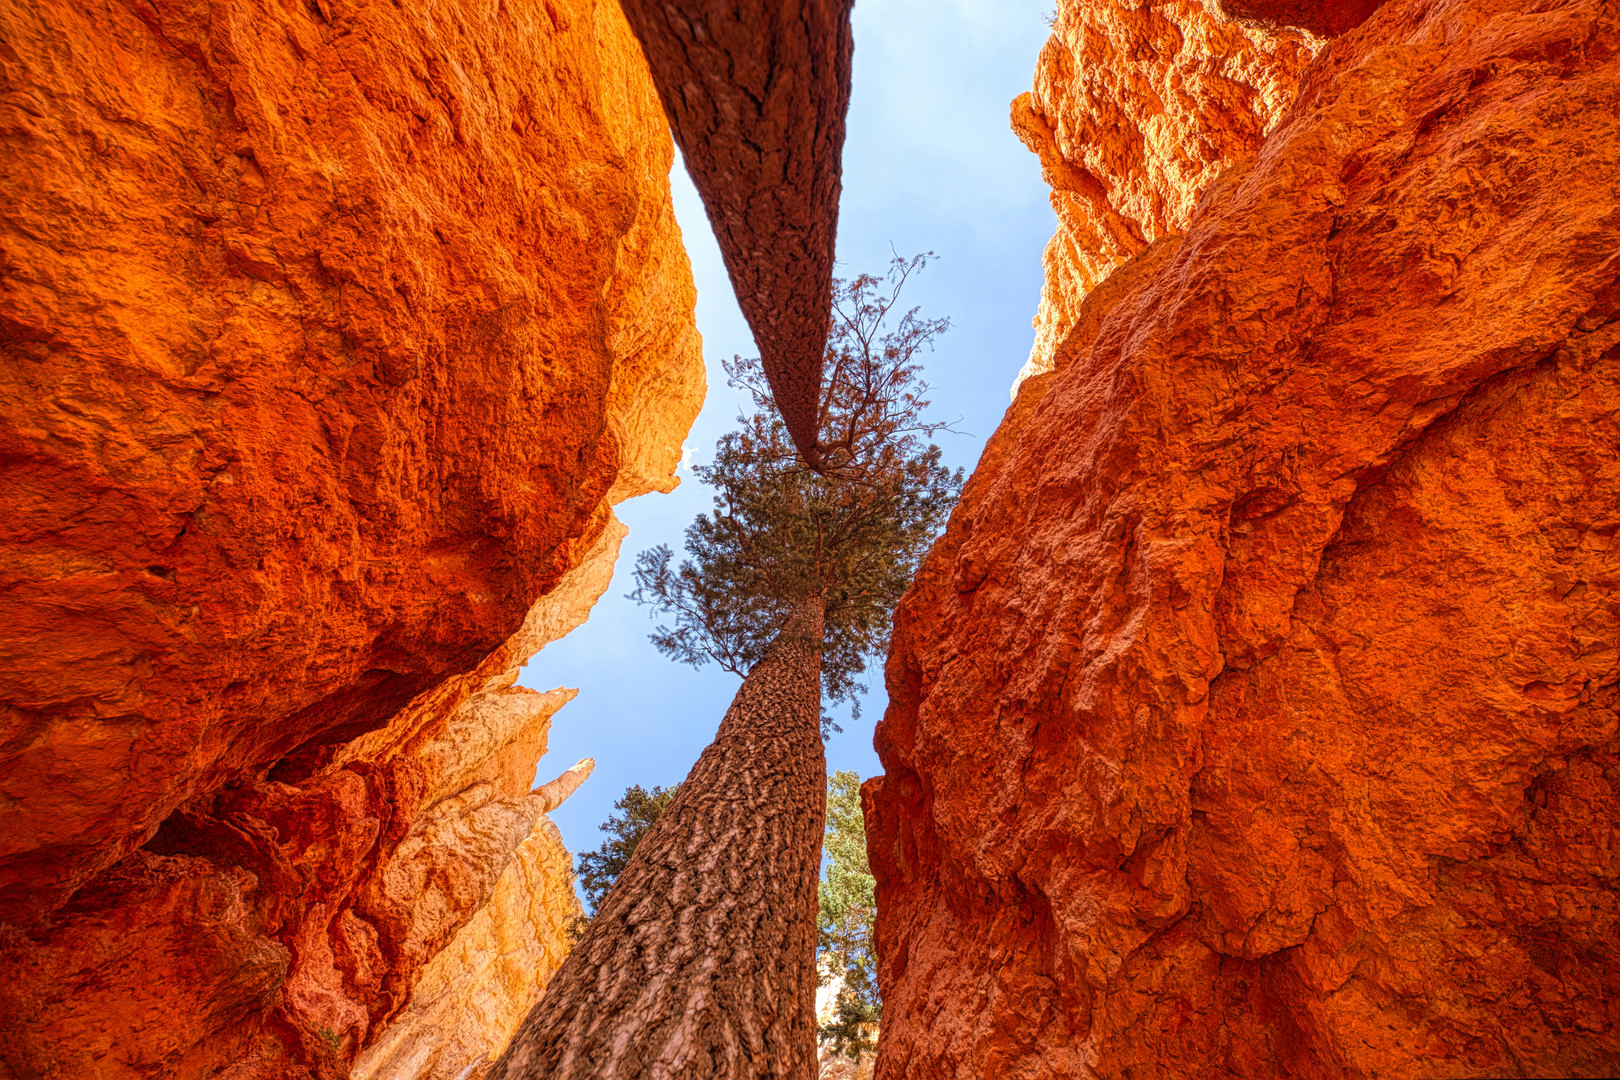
(929, 164)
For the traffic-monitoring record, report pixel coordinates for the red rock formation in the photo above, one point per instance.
(1136, 109)
(1325, 18)
(471, 997)
(331, 332)
(1257, 714)
(756, 92)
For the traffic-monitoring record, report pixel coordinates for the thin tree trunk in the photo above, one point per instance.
(701, 961)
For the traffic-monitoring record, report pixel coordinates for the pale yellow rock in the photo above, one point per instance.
(482, 846)
(456, 853)
(554, 793)
(832, 1066)
(473, 994)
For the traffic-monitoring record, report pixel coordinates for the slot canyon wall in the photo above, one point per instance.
(331, 334)
(1256, 715)
(1135, 111)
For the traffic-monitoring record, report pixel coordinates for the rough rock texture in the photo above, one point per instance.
(756, 91)
(1257, 714)
(1325, 18)
(273, 929)
(1136, 109)
(470, 998)
(330, 334)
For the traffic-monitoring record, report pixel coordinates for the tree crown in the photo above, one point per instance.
(849, 536)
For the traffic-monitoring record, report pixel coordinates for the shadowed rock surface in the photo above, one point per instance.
(1324, 18)
(331, 332)
(1257, 714)
(756, 93)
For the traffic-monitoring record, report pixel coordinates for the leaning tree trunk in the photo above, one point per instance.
(701, 962)
(756, 92)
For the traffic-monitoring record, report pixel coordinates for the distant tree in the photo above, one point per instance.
(847, 906)
(599, 869)
(701, 961)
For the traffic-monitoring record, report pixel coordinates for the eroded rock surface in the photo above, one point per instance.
(1136, 109)
(472, 995)
(1324, 18)
(331, 333)
(274, 929)
(1257, 714)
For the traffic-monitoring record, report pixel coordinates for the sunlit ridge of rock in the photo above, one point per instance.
(1136, 109)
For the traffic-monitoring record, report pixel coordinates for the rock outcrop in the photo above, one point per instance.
(1326, 18)
(1136, 109)
(331, 334)
(472, 995)
(1257, 714)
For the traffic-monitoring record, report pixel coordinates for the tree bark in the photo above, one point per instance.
(701, 961)
(756, 92)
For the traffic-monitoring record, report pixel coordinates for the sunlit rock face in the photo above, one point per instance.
(470, 998)
(1257, 714)
(1136, 109)
(331, 333)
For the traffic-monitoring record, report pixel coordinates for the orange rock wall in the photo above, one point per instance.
(1136, 109)
(1256, 715)
(330, 333)
(1327, 18)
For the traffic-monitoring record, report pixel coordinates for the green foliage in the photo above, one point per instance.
(333, 1041)
(574, 928)
(599, 869)
(850, 536)
(847, 906)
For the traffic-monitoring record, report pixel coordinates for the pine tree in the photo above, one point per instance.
(599, 869)
(847, 905)
(700, 963)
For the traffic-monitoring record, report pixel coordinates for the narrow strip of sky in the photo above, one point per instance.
(930, 165)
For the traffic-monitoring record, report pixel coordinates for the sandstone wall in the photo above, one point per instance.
(472, 996)
(1136, 108)
(331, 332)
(1257, 714)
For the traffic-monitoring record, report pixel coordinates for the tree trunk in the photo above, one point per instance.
(756, 92)
(701, 961)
